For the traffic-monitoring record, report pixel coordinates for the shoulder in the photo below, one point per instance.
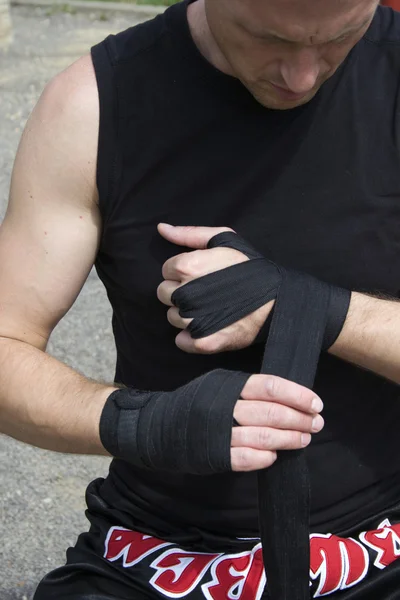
(135, 41)
(61, 136)
(71, 96)
(385, 27)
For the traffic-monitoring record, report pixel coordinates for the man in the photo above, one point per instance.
(278, 119)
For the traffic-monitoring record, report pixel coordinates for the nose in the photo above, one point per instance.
(300, 70)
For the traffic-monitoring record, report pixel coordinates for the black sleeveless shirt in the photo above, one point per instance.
(315, 188)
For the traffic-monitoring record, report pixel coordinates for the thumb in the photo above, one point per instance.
(190, 236)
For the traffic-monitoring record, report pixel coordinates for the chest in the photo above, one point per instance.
(318, 192)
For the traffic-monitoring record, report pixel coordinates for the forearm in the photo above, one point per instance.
(371, 336)
(45, 403)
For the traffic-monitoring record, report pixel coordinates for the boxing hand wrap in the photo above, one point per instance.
(187, 431)
(226, 296)
(307, 317)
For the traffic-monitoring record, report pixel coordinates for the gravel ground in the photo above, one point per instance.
(42, 493)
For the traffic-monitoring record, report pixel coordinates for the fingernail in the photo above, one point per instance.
(317, 405)
(317, 424)
(305, 439)
(167, 225)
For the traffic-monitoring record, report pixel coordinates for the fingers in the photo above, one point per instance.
(283, 391)
(192, 265)
(267, 438)
(254, 448)
(165, 291)
(249, 459)
(187, 344)
(207, 345)
(191, 237)
(176, 267)
(272, 414)
(275, 414)
(176, 320)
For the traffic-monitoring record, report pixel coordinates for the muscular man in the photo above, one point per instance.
(279, 119)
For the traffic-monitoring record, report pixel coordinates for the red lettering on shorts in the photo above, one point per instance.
(385, 541)
(129, 545)
(237, 577)
(339, 563)
(179, 572)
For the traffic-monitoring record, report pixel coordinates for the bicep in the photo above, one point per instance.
(49, 238)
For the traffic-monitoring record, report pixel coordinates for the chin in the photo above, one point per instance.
(270, 99)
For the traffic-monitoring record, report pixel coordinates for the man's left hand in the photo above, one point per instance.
(183, 268)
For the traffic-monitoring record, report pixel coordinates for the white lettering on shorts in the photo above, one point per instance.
(336, 563)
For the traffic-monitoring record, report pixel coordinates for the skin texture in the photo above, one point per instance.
(48, 243)
(295, 45)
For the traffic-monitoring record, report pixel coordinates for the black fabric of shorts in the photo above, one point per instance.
(114, 562)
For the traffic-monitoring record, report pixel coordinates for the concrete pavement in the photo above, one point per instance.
(41, 493)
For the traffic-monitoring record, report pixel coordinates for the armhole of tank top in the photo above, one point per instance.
(107, 151)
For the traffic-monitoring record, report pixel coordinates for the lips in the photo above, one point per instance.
(287, 94)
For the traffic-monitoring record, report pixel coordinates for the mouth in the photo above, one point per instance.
(287, 94)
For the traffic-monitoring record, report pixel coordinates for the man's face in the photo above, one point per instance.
(284, 50)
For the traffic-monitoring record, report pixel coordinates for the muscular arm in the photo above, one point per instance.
(371, 336)
(48, 243)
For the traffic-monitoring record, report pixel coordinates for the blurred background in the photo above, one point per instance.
(392, 3)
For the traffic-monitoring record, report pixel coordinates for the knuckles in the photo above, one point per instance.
(192, 265)
(207, 345)
(184, 264)
(197, 263)
(171, 316)
(265, 439)
(243, 459)
(273, 414)
(161, 292)
(273, 386)
(232, 337)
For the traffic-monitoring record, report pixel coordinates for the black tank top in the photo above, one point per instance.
(315, 188)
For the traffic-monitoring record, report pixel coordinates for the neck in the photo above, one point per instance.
(203, 37)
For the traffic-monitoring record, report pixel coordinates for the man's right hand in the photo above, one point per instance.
(191, 430)
(274, 414)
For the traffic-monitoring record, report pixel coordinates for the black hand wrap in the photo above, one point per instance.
(224, 297)
(187, 431)
(308, 316)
